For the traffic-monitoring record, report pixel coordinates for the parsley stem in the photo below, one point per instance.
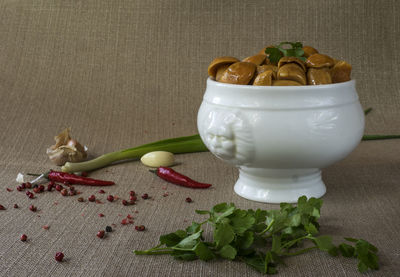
(292, 242)
(299, 252)
(268, 227)
(147, 252)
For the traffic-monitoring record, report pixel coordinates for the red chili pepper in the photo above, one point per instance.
(61, 177)
(170, 175)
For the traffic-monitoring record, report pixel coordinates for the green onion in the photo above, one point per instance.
(178, 145)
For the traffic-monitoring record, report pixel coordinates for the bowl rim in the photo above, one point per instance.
(306, 87)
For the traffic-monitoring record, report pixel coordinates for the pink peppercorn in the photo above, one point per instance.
(92, 198)
(110, 198)
(140, 228)
(189, 200)
(64, 192)
(28, 185)
(59, 256)
(24, 237)
(102, 191)
(125, 203)
(59, 187)
(15, 206)
(32, 208)
(100, 234)
(145, 196)
(132, 193)
(132, 198)
(101, 215)
(2, 207)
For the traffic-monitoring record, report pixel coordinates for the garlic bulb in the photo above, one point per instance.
(66, 149)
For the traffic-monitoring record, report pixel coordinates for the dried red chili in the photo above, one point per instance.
(63, 177)
(170, 175)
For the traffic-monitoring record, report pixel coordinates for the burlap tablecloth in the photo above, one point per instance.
(123, 73)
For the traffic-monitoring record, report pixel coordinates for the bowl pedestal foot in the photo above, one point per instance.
(279, 185)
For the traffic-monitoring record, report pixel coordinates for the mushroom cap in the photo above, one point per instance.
(292, 71)
(265, 67)
(285, 83)
(217, 62)
(319, 60)
(256, 59)
(319, 76)
(308, 51)
(286, 60)
(341, 72)
(239, 73)
(220, 71)
(265, 78)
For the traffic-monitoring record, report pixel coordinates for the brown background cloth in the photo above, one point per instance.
(122, 73)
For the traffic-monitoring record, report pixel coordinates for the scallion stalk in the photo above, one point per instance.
(178, 145)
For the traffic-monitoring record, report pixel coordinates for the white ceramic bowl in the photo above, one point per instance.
(280, 137)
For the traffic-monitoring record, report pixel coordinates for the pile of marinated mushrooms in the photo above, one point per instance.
(276, 66)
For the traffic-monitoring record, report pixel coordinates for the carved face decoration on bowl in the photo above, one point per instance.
(229, 136)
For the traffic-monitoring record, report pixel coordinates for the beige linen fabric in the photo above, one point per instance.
(123, 73)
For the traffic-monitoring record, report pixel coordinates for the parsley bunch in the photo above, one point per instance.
(261, 238)
(285, 49)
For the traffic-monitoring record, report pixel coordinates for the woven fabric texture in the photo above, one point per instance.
(125, 72)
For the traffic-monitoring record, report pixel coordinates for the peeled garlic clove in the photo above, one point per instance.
(256, 59)
(308, 51)
(319, 76)
(158, 158)
(285, 83)
(240, 73)
(264, 79)
(341, 72)
(292, 71)
(217, 62)
(319, 60)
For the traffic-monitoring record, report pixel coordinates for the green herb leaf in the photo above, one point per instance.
(324, 243)
(203, 252)
(184, 255)
(242, 222)
(223, 235)
(194, 228)
(228, 252)
(346, 250)
(246, 240)
(170, 239)
(274, 55)
(189, 242)
(256, 261)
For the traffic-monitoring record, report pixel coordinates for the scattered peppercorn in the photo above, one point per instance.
(132, 198)
(16, 206)
(189, 200)
(59, 256)
(50, 187)
(145, 196)
(140, 228)
(35, 186)
(132, 193)
(102, 191)
(132, 202)
(80, 199)
(59, 187)
(108, 229)
(124, 202)
(30, 194)
(110, 198)
(24, 237)
(32, 208)
(64, 192)
(2, 207)
(36, 190)
(101, 215)
(92, 198)
(28, 185)
(19, 188)
(41, 188)
(100, 234)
